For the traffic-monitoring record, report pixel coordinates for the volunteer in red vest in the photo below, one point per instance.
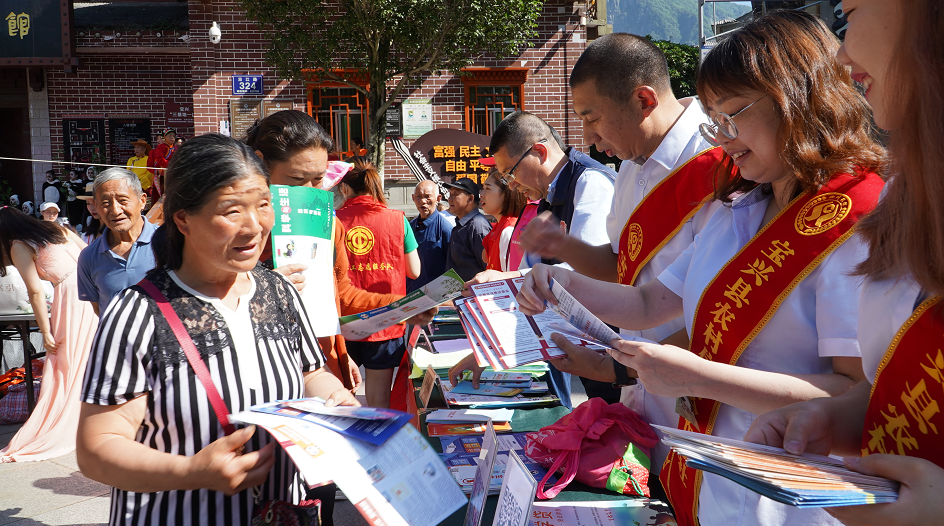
(764, 288)
(662, 199)
(159, 158)
(504, 204)
(382, 251)
(894, 419)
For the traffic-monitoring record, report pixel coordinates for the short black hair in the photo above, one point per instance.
(519, 131)
(619, 63)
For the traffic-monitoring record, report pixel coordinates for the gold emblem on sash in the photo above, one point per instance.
(359, 240)
(635, 241)
(822, 213)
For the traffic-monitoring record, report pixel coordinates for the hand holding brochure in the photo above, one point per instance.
(804, 481)
(442, 289)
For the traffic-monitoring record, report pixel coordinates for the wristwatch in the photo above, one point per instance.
(622, 377)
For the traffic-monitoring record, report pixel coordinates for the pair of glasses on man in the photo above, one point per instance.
(723, 126)
(509, 176)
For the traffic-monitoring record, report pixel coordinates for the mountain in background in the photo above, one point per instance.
(673, 20)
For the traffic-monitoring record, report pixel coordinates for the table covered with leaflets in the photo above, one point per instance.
(409, 395)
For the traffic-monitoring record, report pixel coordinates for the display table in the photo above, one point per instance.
(18, 327)
(526, 420)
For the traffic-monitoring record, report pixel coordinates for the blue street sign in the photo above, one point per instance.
(247, 85)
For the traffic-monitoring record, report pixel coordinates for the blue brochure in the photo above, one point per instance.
(373, 431)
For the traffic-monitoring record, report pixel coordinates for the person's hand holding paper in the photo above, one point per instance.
(536, 290)
(583, 361)
(295, 274)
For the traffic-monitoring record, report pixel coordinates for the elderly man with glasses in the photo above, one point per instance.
(574, 190)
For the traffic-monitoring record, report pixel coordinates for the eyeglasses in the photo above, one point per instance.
(724, 124)
(509, 176)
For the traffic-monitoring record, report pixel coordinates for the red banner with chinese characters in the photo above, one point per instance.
(664, 211)
(747, 291)
(903, 414)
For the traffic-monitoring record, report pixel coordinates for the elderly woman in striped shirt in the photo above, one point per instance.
(147, 427)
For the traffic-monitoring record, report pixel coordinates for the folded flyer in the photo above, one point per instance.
(445, 416)
(401, 482)
(442, 289)
(369, 430)
(304, 233)
(804, 481)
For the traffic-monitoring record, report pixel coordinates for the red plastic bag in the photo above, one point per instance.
(18, 375)
(598, 444)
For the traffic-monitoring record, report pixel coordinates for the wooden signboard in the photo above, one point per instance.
(242, 114)
(125, 130)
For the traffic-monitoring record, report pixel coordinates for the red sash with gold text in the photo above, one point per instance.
(744, 295)
(903, 417)
(663, 211)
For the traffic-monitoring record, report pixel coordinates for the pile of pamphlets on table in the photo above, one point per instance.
(628, 512)
(502, 337)
(804, 481)
(386, 468)
(446, 422)
(495, 390)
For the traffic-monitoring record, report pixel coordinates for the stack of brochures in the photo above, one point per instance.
(446, 422)
(804, 481)
(384, 467)
(462, 456)
(493, 392)
(502, 337)
(601, 513)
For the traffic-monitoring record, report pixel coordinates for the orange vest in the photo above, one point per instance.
(374, 243)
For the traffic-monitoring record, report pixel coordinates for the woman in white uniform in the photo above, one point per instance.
(764, 288)
(894, 48)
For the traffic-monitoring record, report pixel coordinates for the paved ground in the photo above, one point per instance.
(54, 492)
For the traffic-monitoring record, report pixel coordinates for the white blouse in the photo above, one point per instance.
(883, 308)
(816, 322)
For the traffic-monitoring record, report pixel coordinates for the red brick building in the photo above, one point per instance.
(140, 66)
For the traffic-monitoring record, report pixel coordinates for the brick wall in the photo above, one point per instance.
(117, 77)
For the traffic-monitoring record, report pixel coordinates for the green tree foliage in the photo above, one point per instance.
(683, 65)
(389, 42)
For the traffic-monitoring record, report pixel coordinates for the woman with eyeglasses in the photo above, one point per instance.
(769, 305)
(893, 420)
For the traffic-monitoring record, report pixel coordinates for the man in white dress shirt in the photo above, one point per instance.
(573, 189)
(622, 93)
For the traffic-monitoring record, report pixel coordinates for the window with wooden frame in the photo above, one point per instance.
(490, 95)
(340, 109)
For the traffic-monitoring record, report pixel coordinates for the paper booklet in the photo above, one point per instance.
(465, 467)
(640, 512)
(401, 482)
(375, 429)
(356, 327)
(503, 337)
(445, 416)
(304, 233)
(804, 481)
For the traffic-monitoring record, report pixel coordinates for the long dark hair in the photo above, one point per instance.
(200, 167)
(824, 122)
(364, 179)
(906, 231)
(285, 133)
(17, 226)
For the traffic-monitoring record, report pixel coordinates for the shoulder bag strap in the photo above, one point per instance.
(193, 356)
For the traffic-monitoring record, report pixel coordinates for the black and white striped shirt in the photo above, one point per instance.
(135, 352)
